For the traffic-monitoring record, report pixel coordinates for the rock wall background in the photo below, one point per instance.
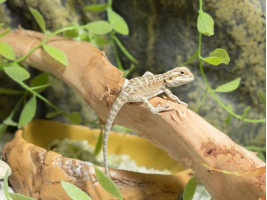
(163, 34)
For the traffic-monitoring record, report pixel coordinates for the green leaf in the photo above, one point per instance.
(261, 156)
(245, 113)
(218, 56)
(96, 7)
(7, 51)
(262, 96)
(205, 24)
(53, 114)
(2, 1)
(101, 41)
(3, 128)
(190, 189)
(2, 34)
(41, 80)
(72, 33)
(99, 27)
(75, 117)
(74, 192)
(56, 54)
(229, 87)
(99, 143)
(107, 183)
(122, 48)
(6, 186)
(17, 196)
(39, 18)
(17, 73)
(10, 91)
(117, 22)
(28, 112)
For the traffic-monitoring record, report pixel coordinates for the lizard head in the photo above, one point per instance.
(178, 76)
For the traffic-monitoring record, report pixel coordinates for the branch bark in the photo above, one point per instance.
(186, 136)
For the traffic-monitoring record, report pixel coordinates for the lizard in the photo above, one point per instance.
(141, 89)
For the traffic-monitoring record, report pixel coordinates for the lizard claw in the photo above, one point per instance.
(183, 103)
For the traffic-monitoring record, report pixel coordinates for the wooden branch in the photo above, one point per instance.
(186, 136)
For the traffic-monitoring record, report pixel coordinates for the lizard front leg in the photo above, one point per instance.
(147, 73)
(153, 109)
(173, 97)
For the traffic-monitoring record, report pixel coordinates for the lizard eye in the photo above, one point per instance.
(170, 78)
(182, 72)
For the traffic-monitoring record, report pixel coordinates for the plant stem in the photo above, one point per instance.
(210, 90)
(116, 53)
(202, 100)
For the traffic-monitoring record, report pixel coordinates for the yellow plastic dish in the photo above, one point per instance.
(142, 151)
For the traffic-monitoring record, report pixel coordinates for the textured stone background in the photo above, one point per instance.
(163, 34)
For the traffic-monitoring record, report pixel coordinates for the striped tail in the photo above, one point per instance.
(113, 112)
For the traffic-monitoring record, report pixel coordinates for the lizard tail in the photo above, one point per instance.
(113, 112)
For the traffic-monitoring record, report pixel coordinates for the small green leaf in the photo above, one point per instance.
(10, 122)
(75, 117)
(40, 79)
(117, 22)
(7, 51)
(229, 87)
(73, 33)
(2, 34)
(99, 143)
(190, 189)
(6, 186)
(53, 114)
(245, 113)
(3, 128)
(10, 91)
(74, 192)
(205, 24)
(2, 1)
(122, 48)
(99, 27)
(17, 73)
(261, 156)
(17, 196)
(96, 7)
(262, 96)
(101, 41)
(39, 18)
(218, 56)
(28, 112)
(56, 54)
(107, 183)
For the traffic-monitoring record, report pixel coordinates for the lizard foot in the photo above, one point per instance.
(183, 103)
(161, 108)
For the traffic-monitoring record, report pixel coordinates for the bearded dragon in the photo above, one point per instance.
(141, 89)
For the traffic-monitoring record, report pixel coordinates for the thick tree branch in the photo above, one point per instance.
(186, 136)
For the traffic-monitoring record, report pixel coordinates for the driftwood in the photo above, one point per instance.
(186, 136)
